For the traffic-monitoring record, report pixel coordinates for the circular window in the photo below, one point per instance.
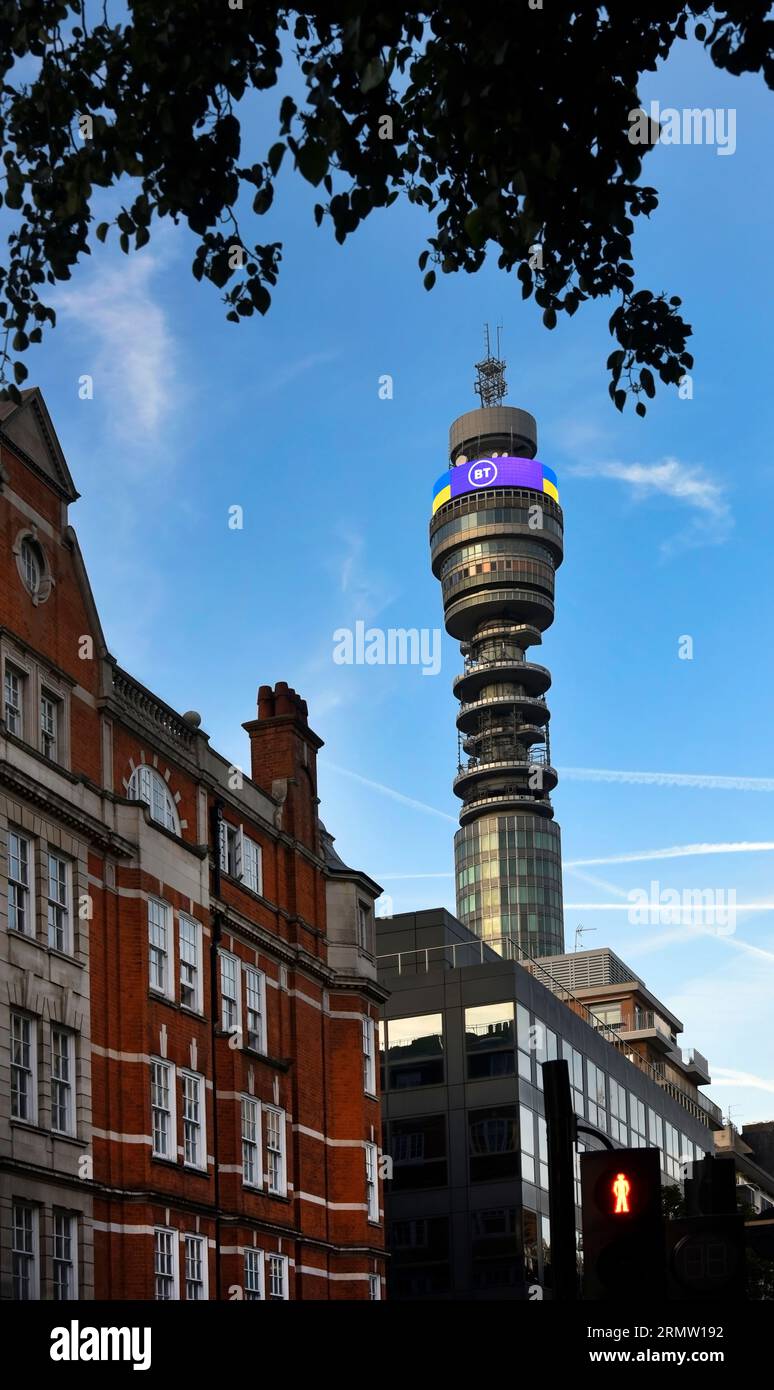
(33, 566)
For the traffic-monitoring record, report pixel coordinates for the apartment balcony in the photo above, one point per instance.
(710, 1108)
(696, 1067)
(649, 1028)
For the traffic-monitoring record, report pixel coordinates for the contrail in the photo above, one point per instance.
(726, 1076)
(597, 882)
(636, 856)
(711, 781)
(675, 852)
(683, 933)
(707, 780)
(385, 877)
(657, 906)
(390, 791)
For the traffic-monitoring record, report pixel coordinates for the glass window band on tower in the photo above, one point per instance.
(495, 550)
(509, 881)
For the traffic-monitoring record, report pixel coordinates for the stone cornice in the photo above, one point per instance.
(231, 920)
(91, 829)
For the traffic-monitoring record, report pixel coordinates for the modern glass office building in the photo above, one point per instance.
(463, 1038)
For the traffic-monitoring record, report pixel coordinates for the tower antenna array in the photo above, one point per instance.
(491, 386)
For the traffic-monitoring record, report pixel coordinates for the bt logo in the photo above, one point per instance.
(482, 473)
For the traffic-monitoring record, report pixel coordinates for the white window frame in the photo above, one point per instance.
(375, 1288)
(369, 1056)
(371, 1158)
(222, 847)
(165, 952)
(255, 990)
(252, 865)
(146, 780)
(276, 1155)
(185, 922)
(70, 1235)
(13, 676)
(278, 1264)
(200, 1125)
(192, 1238)
(236, 1023)
(30, 1070)
(170, 1110)
(173, 1248)
(49, 724)
(251, 1130)
(65, 1082)
(31, 566)
(22, 887)
(253, 1265)
(231, 849)
(33, 1254)
(60, 904)
(364, 934)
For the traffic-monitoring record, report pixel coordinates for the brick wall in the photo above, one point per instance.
(307, 1074)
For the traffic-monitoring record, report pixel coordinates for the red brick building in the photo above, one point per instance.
(188, 995)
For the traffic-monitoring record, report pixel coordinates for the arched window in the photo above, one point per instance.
(149, 786)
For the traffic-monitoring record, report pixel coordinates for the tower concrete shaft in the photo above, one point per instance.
(496, 540)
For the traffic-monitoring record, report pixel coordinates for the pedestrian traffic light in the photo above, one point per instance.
(623, 1241)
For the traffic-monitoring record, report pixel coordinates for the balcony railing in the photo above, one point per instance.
(645, 1019)
(538, 756)
(503, 800)
(500, 662)
(492, 700)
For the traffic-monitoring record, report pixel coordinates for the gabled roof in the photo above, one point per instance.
(29, 431)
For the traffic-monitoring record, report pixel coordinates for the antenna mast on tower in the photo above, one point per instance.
(491, 386)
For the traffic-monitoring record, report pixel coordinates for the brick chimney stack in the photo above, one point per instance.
(284, 759)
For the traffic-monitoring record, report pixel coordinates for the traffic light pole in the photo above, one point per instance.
(604, 1139)
(561, 1129)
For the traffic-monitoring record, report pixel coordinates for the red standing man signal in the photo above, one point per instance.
(621, 1189)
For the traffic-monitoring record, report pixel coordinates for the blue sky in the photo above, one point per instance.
(666, 525)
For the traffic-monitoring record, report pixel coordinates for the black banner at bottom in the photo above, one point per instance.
(155, 1339)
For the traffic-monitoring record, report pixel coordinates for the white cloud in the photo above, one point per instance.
(688, 484)
(727, 1014)
(131, 350)
(367, 591)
